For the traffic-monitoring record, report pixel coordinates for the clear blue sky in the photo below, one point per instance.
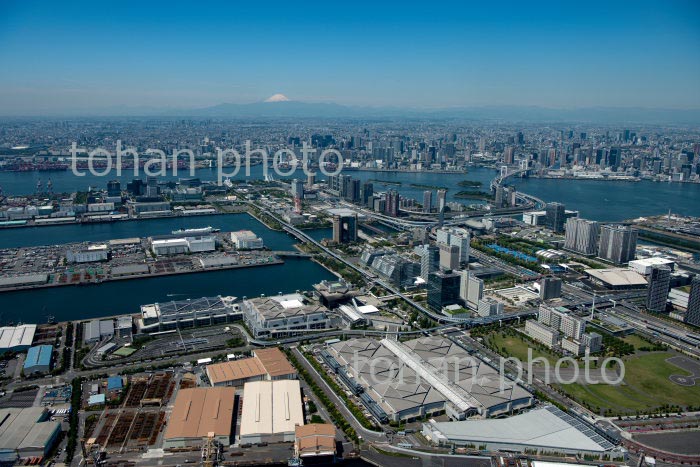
(88, 54)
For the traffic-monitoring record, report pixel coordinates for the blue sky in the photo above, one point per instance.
(67, 56)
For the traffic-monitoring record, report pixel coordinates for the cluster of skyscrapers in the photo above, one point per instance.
(614, 243)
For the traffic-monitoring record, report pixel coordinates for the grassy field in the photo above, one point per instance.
(636, 341)
(516, 346)
(646, 387)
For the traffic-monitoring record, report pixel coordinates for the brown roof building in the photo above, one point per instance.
(199, 412)
(265, 364)
(315, 443)
(275, 363)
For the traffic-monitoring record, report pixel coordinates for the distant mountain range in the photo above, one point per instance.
(292, 109)
(281, 108)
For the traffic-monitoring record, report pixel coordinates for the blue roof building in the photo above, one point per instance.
(38, 359)
(114, 383)
(97, 399)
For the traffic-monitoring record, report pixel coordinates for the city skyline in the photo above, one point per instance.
(131, 59)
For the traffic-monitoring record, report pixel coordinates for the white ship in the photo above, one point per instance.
(199, 231)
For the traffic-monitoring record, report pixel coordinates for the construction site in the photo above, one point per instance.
(137, 423)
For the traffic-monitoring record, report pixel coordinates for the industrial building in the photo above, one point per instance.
(271, 411)
(27, 432)
(16, 338)
(38, 360)
(183, 314)
(91, 254)
(282, 316)
(246, 240)
(421, 377)
(315, 444)
(643, 266)
(175, 245)
(124, 326)
(265, 364)
(199, 413)
(97, 330)
(543, 430)
(24, 280)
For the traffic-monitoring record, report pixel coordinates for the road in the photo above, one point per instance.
(367, 435)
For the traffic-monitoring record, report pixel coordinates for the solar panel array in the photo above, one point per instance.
(582, 427)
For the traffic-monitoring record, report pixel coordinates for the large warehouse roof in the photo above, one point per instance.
(235, 370)
(275, 362)
(16, 337)
(23, 428)
(271, 407)
(39, 355)
(200, 411)
(429, 370)
(543, 428)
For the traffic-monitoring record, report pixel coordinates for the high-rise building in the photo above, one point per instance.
(555, 217)
(471, 289)
(659, 285)
(152, 187)
(429, 260)
(692, 315)
(427, 200)
(311, 179)
(455, 237)
(499, 196)
(297, 188)
(345, 229)
(392, 203)
(441, 200)
(618, 244)
(449, 257)
(443, 289)
(581, 236)
(509, 155)
(114, 188)
(367, 194)
(462, 242)
(550, 287)
(614, 158)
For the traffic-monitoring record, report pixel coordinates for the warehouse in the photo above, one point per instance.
(265, 364)
(315, 444)
(199, 412)
(96, 330)
(26, 433)
(271, 411)
(545, 430)
(425, 376)
(16, 339)
(38, 360)
(235, 373)
(23, 281)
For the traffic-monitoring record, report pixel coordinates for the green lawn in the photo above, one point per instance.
(636, 341)
(517, 347)
(646, 387)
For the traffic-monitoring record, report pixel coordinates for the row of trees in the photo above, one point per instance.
(335, 414)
